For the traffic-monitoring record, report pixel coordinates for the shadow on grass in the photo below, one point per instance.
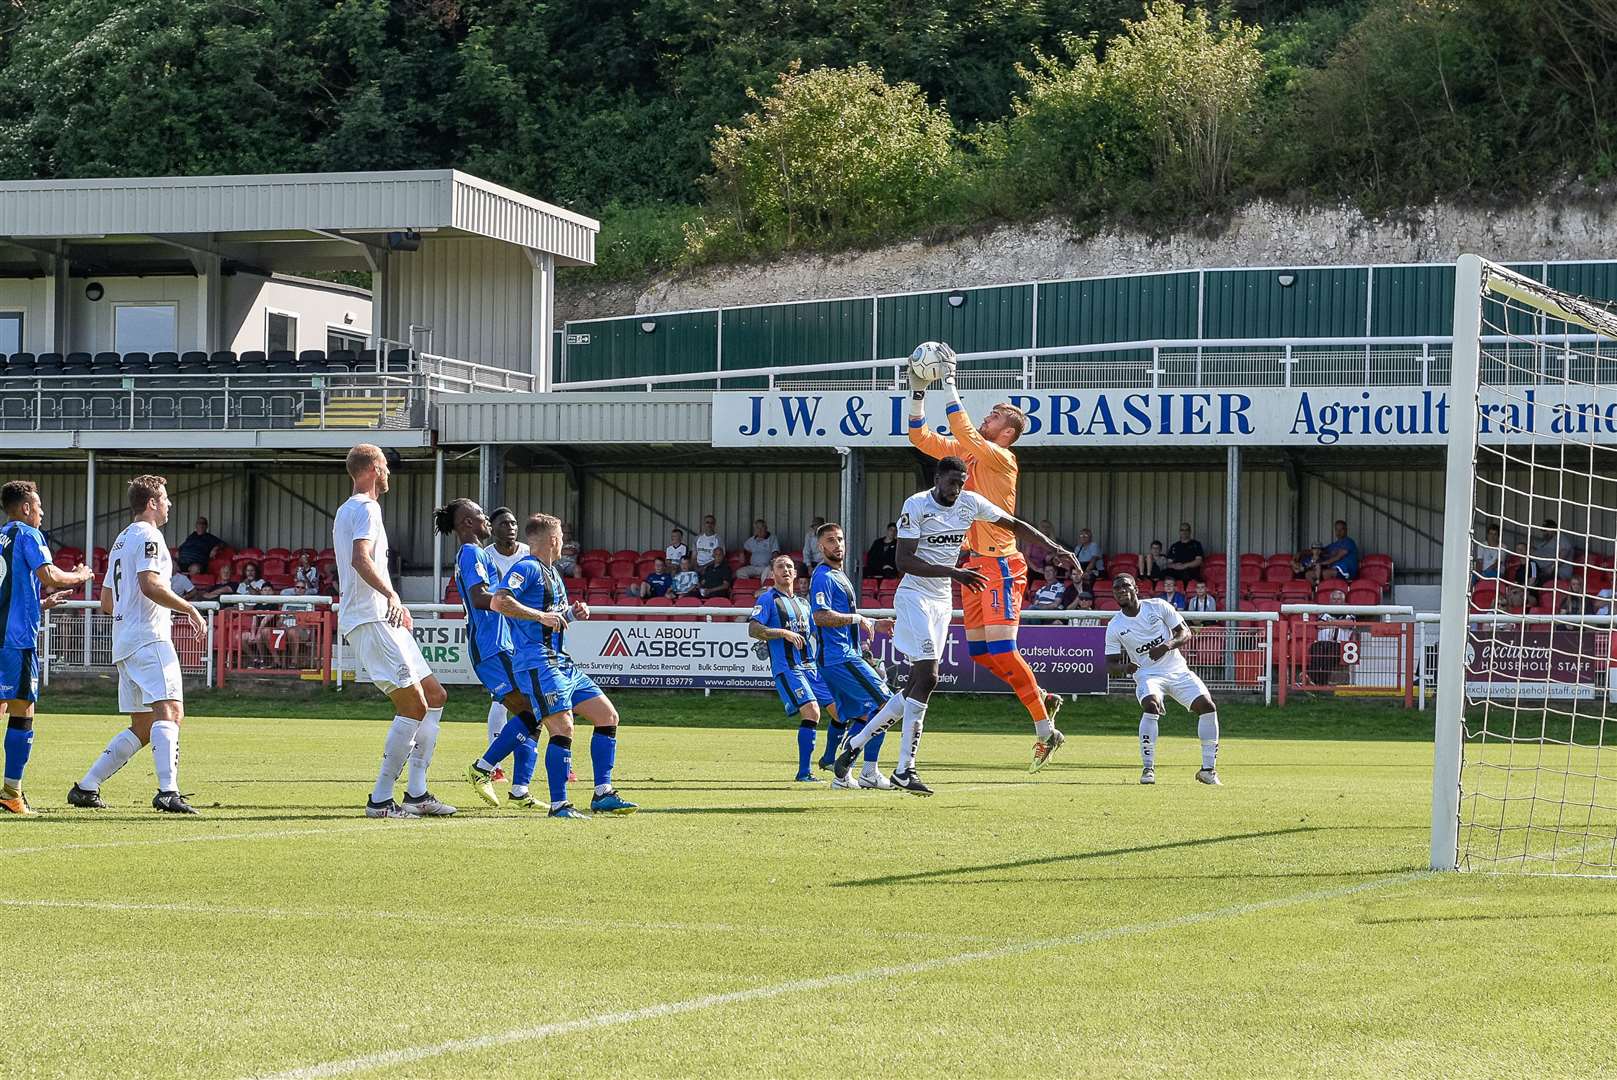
(1599, 913)
(931, 876)
(730, 810)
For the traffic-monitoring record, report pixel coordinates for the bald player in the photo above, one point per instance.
(992, 616)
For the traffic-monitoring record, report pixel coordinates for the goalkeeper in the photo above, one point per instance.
(993, 615)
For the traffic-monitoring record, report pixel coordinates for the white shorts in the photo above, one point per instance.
(922, 627)
(1183, 686)
(386, 655)
(149, 674)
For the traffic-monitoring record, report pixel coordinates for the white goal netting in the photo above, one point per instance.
(1524, 708)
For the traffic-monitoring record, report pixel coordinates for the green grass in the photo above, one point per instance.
(1185, 931)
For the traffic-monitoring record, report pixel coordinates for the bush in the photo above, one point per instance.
(827, 154)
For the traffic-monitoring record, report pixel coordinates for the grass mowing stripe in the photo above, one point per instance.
(262, 834)
(438, 918)
(393, 1058)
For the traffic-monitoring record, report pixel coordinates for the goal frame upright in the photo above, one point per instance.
(1458, 508)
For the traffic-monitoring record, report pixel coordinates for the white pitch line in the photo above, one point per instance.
(380, 827)
(394, 1058)
(482, 921)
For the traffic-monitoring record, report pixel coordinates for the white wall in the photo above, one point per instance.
(247, 297)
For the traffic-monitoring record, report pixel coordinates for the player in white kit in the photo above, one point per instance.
(506, 552)
(376, 625)
(136, 593)
(931, 535)
(1145, 638)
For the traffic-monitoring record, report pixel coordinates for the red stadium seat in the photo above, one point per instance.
(1366, 583)
(1380, 573)
(1277, 573)
(1250, 575)
(592, 568)
(204, 581)
(625, 555)
(621, 568)
(1106, 603)
(1265, 590)
(596, 553)
(278, 553)
(1252, 558)
(620, 585)
(653, 553)
(250, 553)
(1297, 592)
(735, 559)
(1279, 558)
(1247, 605)
(1361, 596)
(628, 601)
(326, 553)
(1266, 605)
(274, 567)
(659, 602)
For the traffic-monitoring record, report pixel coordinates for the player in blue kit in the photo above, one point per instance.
(533, 597)
(488, 634)
(780, 622)
(839, 639)
(25, 569)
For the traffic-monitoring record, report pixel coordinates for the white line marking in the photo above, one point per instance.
(393, 828)
(394, 1058)
(480, 921)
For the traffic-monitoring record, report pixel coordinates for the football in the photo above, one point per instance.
(931, 361)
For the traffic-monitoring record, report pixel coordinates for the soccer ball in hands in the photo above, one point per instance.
(931, 361)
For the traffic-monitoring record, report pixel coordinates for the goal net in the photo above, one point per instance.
(1525, 776)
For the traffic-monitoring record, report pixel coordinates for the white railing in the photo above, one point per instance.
(1156, 363)
(447, 374)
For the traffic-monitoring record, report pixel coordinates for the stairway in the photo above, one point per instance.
(343, 411)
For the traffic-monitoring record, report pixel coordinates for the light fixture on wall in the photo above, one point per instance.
(648, 326)
(94, 291)
(957, 299)
(1287, 280)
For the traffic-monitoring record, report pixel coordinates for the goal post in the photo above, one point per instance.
(1524, 777)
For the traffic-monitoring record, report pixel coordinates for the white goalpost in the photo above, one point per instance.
(1523, 777)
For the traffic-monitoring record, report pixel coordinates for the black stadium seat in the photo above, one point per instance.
(398, 360)
(367, 360)
(21, 359)
(312, 359)
(193, 360)
(222, 362)
(341, 360)
(136, 363)
(281, 360)
(253, 362)
(77, 363)
(107, 363)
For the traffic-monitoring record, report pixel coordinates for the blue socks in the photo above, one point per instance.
(805, 747)
(603, 754)
(519, 732)
(837, 731)
(525, 761)
(558, 763)
(19, 744)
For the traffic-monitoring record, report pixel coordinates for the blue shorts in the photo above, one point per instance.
(19, 675)
(496, 675)
(858, 690)
(553, 689)
(799, 686)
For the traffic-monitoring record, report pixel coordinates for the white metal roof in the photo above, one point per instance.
(281, 206)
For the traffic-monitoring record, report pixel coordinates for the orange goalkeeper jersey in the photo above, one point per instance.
(993, 474)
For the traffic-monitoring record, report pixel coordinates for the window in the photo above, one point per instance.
(338, 340)
(10, 332)
(280, 331)
(144, 328)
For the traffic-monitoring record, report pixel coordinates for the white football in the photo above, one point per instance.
(931, 361)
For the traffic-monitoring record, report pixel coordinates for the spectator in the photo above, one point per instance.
(1090, 564)
(1153, 565)
(717, 578)
(1520, 568)
(305, 578)
(685, 581)
(182, 585)
(1576, 601)
(1310, 565)
(1553, 554)
(1169, 591)
(1054, 594)
(1202, 600)
(881, 561)
(1325, 651)
(1037, 554)
(1083, 602)
(707, 542)
(1185, 556)
(677, 549)
(200, 545)
(657, 583)
(1488, 556)
(1603, 602)
(811, 546)
(760, 548)
(567, 561)
(1512, 600)
(1342, 557)
(328, 581)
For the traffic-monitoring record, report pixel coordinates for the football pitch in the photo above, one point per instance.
(1071, 923)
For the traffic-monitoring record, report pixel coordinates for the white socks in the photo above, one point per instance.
(496, 719)
(1043, 728)
(395, 751)
(114, 757)
(879, 723)
(166, 753)
(1207, 731)
(914, 721)
(426, 740)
